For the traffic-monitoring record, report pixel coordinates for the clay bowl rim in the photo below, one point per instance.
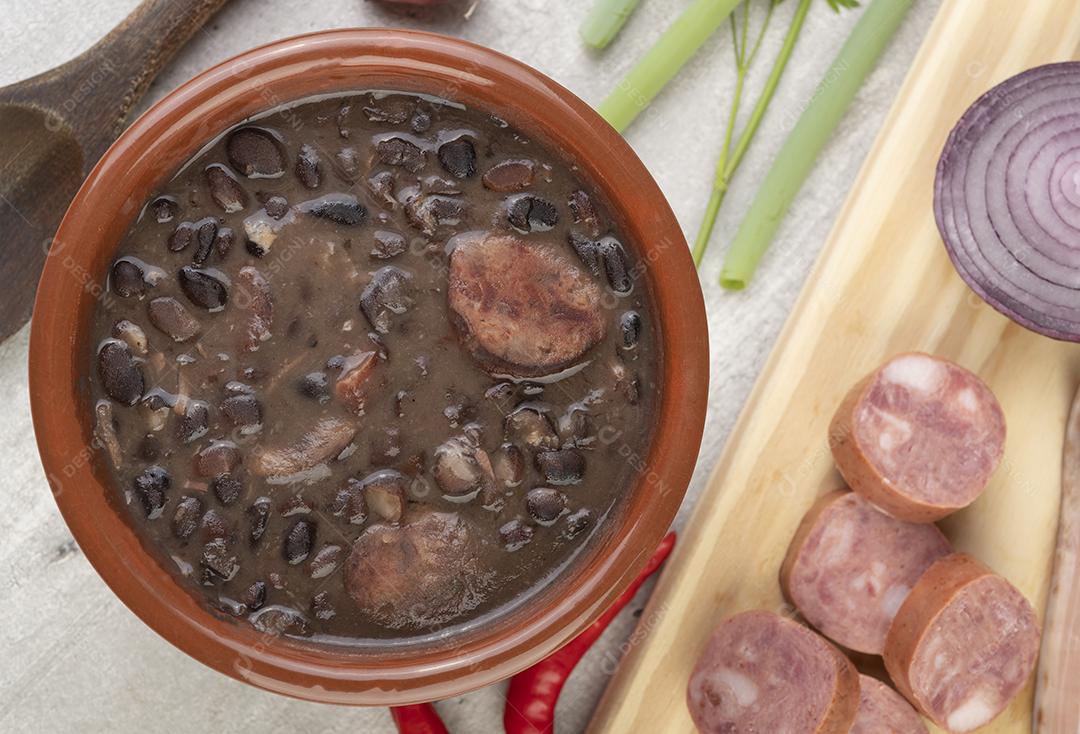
(174, 129)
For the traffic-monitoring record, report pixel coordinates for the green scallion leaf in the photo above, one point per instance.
(796, 159)
(604, 21)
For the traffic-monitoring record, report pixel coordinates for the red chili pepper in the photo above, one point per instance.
(531, 698)
(420, 718)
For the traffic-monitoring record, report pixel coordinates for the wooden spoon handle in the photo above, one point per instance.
(1057, 689)
(121, 66)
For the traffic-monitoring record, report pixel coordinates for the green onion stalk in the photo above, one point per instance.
(730, 159)
(604, 21)
(815, 126)
(674, 48)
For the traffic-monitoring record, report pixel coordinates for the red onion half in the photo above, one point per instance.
(1007, 198)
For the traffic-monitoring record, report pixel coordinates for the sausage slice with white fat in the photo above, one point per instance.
(884, 711)
(423, 572)
(850, 567)
(963, 644)
(919, 437)
(522, 308)
(762, 672)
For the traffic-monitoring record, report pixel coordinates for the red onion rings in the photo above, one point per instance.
(1007, 199)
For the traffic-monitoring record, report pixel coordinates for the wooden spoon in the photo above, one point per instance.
(1057, 687)
(58, 124)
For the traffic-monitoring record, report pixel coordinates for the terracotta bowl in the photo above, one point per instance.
(149, 152)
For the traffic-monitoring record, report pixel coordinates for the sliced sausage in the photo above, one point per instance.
(761, 672)
(522, 308)
(850, 567)
(884, 711)
(919, 437)
(323, 441)
(963, 644)
(424, 572)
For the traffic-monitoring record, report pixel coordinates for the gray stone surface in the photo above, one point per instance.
(75, 659)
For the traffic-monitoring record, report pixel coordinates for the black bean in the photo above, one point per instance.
(615, 265)
(255, 152)
(629, 329)
(225, 190)
(388, 295)
(127, 279)
(565, 466)
(228, 488)
(515, 535)
(276, 206)
(298, 542)
(349, 502)
(254, 374)
(258, 516)
(420, 122)
(573, 426)
(120, 374)
(194, 422)
(315, 385)
(205, 233)
(382, 186)
(545, 504)
(206, 288)
(280, 620)
(429, 212)
(531, 213)
(509, 465)
(216, 459)
(214, 525)
(243, 411)
(322, 607)
(577, 523)
(255, 595)
(158, 399)
(583, 213)
(308, 166)
(218, 561)
(337, 208)
(439, 185)
(164, 208)
(171, 317)
(150, 488)
(400, 152)
(588, 251)
(388, 244)
(528, 426)
(186, 519)
(325, 561)
(458, 157)
(224, 241)
(347, 165)
(461, 468)
(181, 237)
(511, 175)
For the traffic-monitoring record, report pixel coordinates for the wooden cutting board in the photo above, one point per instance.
(882, 284)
